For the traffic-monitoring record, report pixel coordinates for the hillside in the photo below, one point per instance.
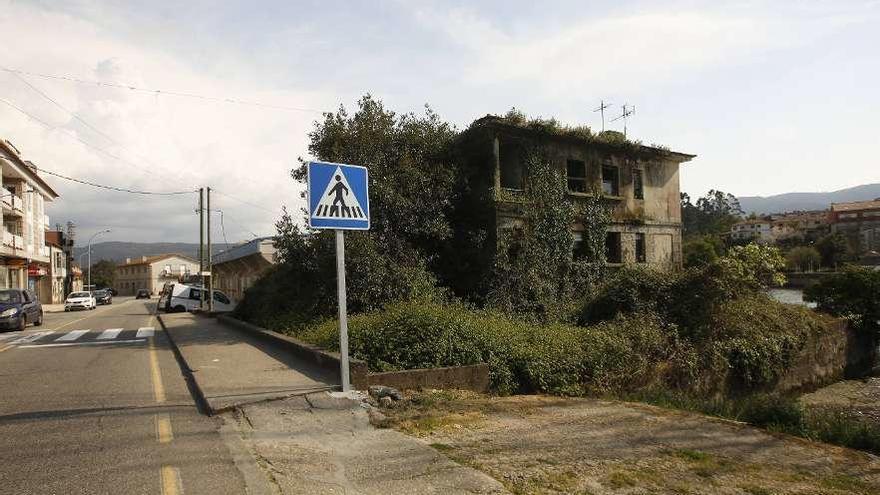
(807, 201)
(118, 251)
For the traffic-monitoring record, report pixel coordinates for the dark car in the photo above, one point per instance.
(112, 291)
(18, 307)
(103, 296)
(142, 294)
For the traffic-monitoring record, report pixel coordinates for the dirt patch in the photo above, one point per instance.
(536, 444)
(861, 398)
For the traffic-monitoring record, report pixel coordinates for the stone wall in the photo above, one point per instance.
(839, 352)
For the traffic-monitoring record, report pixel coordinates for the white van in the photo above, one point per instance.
(182, 297)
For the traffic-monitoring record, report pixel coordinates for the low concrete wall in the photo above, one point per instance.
(838, 352)
(474, 377)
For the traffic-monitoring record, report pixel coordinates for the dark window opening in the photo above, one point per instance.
(641, 255)
(510, 156)
(577, 176)
(638, 184)
(578, 248)
(610, 182)
(612, 248)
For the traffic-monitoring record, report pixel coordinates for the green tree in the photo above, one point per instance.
(753, 267)
(853, 293)
(103, 273)
(833, 248)
(701, 251)
(803, 258)
(714, 213)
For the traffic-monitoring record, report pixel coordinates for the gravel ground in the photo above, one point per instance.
(535, 444)
(859, 397)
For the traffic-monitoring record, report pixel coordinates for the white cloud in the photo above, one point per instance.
(174, 143)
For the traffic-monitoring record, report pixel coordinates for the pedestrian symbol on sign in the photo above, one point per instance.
(338, 197)
(338, 201)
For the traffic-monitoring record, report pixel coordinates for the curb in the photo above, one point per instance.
(191, 383)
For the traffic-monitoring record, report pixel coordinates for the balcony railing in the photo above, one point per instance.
(44, 251)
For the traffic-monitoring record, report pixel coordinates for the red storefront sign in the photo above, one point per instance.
(36, 271)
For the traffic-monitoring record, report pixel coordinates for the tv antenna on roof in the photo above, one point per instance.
(601, 109)
(626, 113)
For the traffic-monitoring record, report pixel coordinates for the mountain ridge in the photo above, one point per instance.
(801, 201)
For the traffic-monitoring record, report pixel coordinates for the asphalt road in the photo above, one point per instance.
(100, 405)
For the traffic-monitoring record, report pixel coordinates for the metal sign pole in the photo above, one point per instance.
(343, 316)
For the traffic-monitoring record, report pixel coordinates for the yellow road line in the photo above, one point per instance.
(170, 480)
(158, 387)
(5, 348)
(163, 428)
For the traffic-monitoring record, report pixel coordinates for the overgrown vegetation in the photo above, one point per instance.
(776, 413)
(853, 294)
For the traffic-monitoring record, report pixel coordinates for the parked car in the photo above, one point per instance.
(112, 291)
(80, 300)
(142, 294)
(181, 297)
(103, 296)
(18, 307)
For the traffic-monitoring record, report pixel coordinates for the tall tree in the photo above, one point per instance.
(714, 213)
(103, 273)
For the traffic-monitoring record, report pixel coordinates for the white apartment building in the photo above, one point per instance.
(760, 231)
(24, 256)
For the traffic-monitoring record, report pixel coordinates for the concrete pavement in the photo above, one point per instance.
(232, 368)
(104, 411)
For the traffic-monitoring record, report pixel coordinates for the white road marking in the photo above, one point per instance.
(144, 332)
(30, 338)
(96, 342)
(75, 334)
(110, 333)
(9, 335)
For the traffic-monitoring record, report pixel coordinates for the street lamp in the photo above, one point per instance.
(90, 254)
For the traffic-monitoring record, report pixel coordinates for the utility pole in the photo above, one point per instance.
(202, 244)
(626, 113)
(601, 110)
(210, 274)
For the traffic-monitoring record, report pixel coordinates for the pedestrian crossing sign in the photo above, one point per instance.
(338, 196)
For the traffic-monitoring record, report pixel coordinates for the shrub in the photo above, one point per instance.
(803, 258)
(523, 357)
(853, 294)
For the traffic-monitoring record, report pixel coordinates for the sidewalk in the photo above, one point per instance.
(309, 442)
(231, 368)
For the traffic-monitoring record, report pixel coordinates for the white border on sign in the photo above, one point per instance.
(309, 195)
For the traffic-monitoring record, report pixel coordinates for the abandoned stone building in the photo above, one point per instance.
(639, 184)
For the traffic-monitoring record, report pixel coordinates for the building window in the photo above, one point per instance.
(511, 165)
(577, 176)
(849, 215)
(641, 255)
(638, 184)
(610, 180)
(577, 246)
(612, 248)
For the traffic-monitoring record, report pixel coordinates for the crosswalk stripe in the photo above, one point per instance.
(110, 333)
(71, 335)
(144, 332)
(10, 335)
(30, 338)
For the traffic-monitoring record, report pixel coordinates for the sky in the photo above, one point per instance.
(772, 97)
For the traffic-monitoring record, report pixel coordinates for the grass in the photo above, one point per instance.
(775, 413)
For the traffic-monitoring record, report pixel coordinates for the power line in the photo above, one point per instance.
(73, 136)
(130, 87)
(77, 117)
(244, 201)
(114, 188)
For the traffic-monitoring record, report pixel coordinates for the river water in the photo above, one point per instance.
(790, 296)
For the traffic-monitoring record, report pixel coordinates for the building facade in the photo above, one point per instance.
(152, 272)
(859, 221)
(760, 231)
(639, 184)
(236, 269)
(59, 282)
(24, 256)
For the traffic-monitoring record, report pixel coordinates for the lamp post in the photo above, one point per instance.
(90, 254)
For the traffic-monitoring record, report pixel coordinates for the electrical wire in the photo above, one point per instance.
(244, 201)
(157, 92)
(114, 188)
(78, 118)
(73, 136)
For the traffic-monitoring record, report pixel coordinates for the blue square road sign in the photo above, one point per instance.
(338, 196)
